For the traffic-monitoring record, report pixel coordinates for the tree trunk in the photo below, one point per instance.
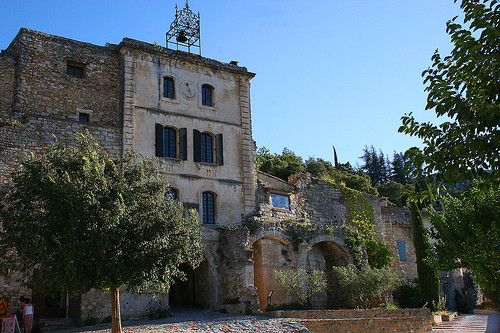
(116, 324)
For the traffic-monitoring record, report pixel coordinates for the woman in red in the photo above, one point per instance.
(27, 314)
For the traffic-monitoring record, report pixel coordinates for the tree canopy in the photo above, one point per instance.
(86, 220)
(464, 87)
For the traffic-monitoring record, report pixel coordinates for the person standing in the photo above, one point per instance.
(27, 314)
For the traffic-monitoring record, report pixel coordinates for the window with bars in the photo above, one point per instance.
(168, 87)
(208, 208)
(207, 92)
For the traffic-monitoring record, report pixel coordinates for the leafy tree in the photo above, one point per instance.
(366, 284)
(427, 273)
(301, 284)
(86, 220)
(464, 87)
(399, 170)
(468, 235)
(397, 193)
(281, 166)
(379, 255)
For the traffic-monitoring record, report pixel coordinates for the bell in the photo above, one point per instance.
(181, 37)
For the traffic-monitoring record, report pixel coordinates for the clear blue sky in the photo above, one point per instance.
(329, 72)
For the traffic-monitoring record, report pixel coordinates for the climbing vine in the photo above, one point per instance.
(360, 216)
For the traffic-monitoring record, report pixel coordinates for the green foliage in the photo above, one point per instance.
(288, 306)
(376, 165)
(298, 231)
(397, 193)
(378, 254)
(408, 296)
(359, 213)
(427, 273)
(301, 284)
(354, 243)
(366, 284)
(88, 220)
(281, 166)
(468, 235)
(464, 87)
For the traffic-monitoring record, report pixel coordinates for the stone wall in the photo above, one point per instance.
(401, 229)
(361, 321)
(7, 70)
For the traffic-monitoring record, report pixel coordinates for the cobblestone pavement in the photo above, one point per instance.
(479, 322)
(202, 321)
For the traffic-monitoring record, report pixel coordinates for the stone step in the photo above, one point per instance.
(55, 324)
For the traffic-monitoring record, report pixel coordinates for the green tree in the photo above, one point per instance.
(468, 235)
(366, 284)
(397, 193)
(376, 165)
(464, 87)
(281, 166)
(86, 220)
(301, 284)
(428, 277)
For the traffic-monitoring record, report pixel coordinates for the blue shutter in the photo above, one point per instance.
(401, 249)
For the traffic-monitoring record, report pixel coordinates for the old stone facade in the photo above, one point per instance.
(194, 114)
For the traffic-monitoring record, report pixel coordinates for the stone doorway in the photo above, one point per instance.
(199, 290)
(324, 255)
(56, 306)
(270, 254)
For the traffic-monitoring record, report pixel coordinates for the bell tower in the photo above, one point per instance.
(185, 29)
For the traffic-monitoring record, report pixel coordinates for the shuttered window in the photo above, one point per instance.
(205, 149)
(401, 249)
(207, 153)
(166, 139)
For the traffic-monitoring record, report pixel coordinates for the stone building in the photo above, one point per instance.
(194, 114)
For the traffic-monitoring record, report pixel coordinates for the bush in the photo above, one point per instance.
(378, 254)
(301, 284)
(408, 296)
(368, 285)
(155, 310)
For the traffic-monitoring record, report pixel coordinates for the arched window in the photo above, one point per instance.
(168, 87)
(207, 92)
(207, 148)
(208, 208)
(170, 142)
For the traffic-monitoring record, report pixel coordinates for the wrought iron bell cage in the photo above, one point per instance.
(185, 29)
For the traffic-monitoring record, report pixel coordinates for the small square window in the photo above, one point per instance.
(83, 117)
(74, 69)
(280, 201)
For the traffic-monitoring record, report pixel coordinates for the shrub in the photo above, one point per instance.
(366, 284)
(378, 254)
(156, 310)
(301, 284)
(408, 296)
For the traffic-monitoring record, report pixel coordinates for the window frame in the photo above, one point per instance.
(170, 149)
(207, 153)
(169, 86)
(83, 117)
(180, 142)
(207, 95)
(174, 192)
(208, 206)
(75, 69)
(283, 195)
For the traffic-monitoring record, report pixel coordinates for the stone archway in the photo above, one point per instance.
(199, 290)
(271, 253)
(324, 255)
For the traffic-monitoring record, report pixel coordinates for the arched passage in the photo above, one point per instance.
(324, 255)
(199, 290)
(270, 254)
